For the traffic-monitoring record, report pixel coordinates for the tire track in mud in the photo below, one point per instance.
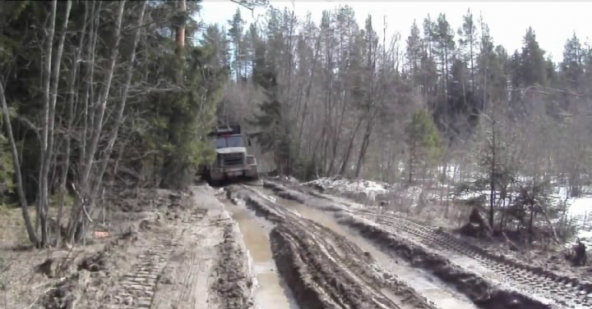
(137, 288)
(404, 280)
(563, 290)
(322, 268)
(530, 280)
(411, 240)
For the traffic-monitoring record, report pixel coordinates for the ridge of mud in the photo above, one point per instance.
(533, 278)
(324, 269)
(300, 196)
(294, 271)
(479, 290)
(518, 271)
(500, 258)
(233, 286)
(316, 282)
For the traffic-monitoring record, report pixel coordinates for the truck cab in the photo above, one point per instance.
(232, 158)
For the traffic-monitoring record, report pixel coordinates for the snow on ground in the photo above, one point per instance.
(370, 188)
(578, 209)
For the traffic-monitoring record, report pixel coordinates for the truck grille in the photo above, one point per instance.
(233, 159)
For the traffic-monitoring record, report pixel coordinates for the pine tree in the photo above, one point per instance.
(572, 66)
(532, 62)
(414, 53)
(236, 32)
(469, 42)
(423, 142)
(215, 41)
(274, 134)
(444, 48)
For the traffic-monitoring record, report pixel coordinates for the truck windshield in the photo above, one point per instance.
(230, 141)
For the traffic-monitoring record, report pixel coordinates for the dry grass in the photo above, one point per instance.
(12, 224)
(12, 227)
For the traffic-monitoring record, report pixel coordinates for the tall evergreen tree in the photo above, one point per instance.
(214, 39)
(469, 43)
(532, 62)
(414, 53)
(572, 66)
(236, 32)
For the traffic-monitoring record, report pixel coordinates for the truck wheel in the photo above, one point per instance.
(214, 183)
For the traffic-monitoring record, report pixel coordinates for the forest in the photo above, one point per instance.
(101, 95)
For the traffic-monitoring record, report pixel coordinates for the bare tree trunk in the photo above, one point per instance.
(17, 169)
(70, 118)
(181, 28)
(50, 126)
(366, 140)
(544, 212)
(350, 147)
(42, 198)
(337, 137)
(122, 103)
(308, 88)
(89, 73)
(363, 148)
(530, 223)
(412, 154)
(85, 181)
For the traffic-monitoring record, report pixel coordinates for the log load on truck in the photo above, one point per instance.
(232, 160)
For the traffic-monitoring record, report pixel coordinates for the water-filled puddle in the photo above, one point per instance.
(271, 291)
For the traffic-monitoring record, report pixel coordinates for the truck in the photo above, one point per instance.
(232, 158)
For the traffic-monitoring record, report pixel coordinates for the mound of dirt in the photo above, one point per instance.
(62, 296)
(477, 226)
(94, 263)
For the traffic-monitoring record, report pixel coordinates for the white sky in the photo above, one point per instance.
(553, 22)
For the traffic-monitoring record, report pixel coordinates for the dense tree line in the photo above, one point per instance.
(98, 94)
(351, 87)
(346, 99)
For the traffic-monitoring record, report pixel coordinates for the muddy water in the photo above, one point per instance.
(425, 284)
(271, 291)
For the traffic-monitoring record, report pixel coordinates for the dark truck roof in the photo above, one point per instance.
(233, 129)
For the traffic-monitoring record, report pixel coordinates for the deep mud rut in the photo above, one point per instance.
(326, 268)
(422, 282)
(494, 281)
(270, 290)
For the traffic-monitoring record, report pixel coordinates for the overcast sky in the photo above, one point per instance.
(553, 22)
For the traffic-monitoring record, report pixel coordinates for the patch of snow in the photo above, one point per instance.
(580, 207)
(370, 188)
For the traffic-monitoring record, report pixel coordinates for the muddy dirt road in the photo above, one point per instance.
(270, 290)
(488, 280)
(323, 268)
(280, 246)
